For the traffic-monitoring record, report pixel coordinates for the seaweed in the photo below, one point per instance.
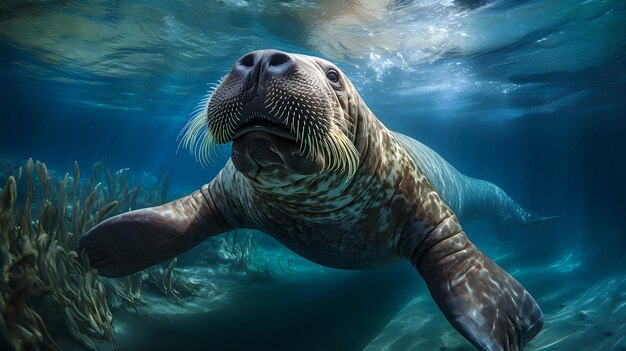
(165, 280)
(42, 272)
(240, 245)
(44, 280)
(47, 288)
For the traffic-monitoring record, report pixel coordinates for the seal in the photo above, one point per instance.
(468, 197)
(313, 167)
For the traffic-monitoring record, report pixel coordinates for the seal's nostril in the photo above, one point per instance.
(247, 60)
(279, 58)
(255, 67)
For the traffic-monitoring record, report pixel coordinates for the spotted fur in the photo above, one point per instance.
(384, 211)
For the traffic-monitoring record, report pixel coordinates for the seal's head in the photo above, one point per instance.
(286, 114)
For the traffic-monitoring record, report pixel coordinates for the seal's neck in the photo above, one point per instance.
(327, 191)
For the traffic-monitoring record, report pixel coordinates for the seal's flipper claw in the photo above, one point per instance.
(481, 301)
(135, 240)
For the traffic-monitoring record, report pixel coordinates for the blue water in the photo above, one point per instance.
(530, 95)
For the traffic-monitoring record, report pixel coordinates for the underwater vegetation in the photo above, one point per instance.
(42, 274)
(47, 288)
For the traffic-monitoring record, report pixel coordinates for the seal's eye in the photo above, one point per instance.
(332, 75)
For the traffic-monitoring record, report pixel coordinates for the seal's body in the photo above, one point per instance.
(469, 198)
(314, 168)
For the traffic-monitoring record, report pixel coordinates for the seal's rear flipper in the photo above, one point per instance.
(481, 301)
(527, 219)
(132, 241)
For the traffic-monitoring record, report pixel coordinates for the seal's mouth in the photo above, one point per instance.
(264, 126)
(279, 110)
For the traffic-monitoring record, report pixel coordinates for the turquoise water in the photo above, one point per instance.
(530, 95)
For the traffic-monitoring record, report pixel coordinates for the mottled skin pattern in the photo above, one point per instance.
(469, 198)
(386, 210)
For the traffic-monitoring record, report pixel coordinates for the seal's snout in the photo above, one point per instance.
(261, 65)
(286, 100)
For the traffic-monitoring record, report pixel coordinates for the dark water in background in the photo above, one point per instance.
(530, 95)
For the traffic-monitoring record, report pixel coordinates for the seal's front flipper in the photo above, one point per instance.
(132, 241)
(481, 301)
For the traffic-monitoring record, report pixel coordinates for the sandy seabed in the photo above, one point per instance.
(310, 307)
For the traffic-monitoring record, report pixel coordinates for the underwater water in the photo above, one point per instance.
(529, 95)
